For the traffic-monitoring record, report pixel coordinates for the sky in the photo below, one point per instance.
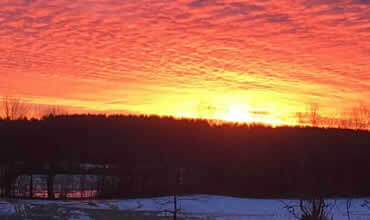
(255, 60)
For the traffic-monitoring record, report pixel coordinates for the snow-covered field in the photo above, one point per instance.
(190, 207)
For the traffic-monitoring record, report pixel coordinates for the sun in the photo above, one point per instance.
(242, 114)
(236, 113)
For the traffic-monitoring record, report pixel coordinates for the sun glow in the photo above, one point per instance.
(237, 113)
(220, 110)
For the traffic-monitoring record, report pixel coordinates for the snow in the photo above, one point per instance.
(222, 207)
(82, 217)
(203, 206)
(6, 208)
(78, 215)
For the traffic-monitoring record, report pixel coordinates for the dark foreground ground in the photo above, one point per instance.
(195, 207)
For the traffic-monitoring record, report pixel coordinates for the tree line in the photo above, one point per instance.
(147, 153)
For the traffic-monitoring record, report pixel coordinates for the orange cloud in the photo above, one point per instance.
(167, 57)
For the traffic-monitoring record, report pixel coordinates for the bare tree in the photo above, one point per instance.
(310, 117)
(44, 111)
(14, 108)
(300, 118)
(314, 115)
(53, 110)
(343, 121)
(314, 209)
(360, 117)
(310, 209)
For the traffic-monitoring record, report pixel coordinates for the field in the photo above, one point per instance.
(190, 207)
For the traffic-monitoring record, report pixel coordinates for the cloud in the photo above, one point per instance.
(278, 18)
(365, 2)
(201, 3)
(263, 113)
(148, 52)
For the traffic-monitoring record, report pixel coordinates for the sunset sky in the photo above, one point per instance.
(262, 60)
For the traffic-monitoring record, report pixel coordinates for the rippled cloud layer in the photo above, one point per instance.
(185, 57)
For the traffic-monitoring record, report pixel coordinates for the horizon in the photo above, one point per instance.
(340, 124)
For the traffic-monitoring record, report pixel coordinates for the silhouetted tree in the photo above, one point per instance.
(52, 111)
(314, 115)
(310, 209)
(14, 108)
(360, 117)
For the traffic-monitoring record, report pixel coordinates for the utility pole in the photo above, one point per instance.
(179, 181)
(31, 186)
(175, 206)
(175, 195)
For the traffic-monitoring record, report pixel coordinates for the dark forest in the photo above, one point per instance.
(151, 156)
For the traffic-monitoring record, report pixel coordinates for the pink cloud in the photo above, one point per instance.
(154, 47)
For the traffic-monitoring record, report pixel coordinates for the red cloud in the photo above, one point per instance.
(101, 50)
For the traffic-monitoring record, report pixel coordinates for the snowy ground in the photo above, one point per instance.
(191, 207)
